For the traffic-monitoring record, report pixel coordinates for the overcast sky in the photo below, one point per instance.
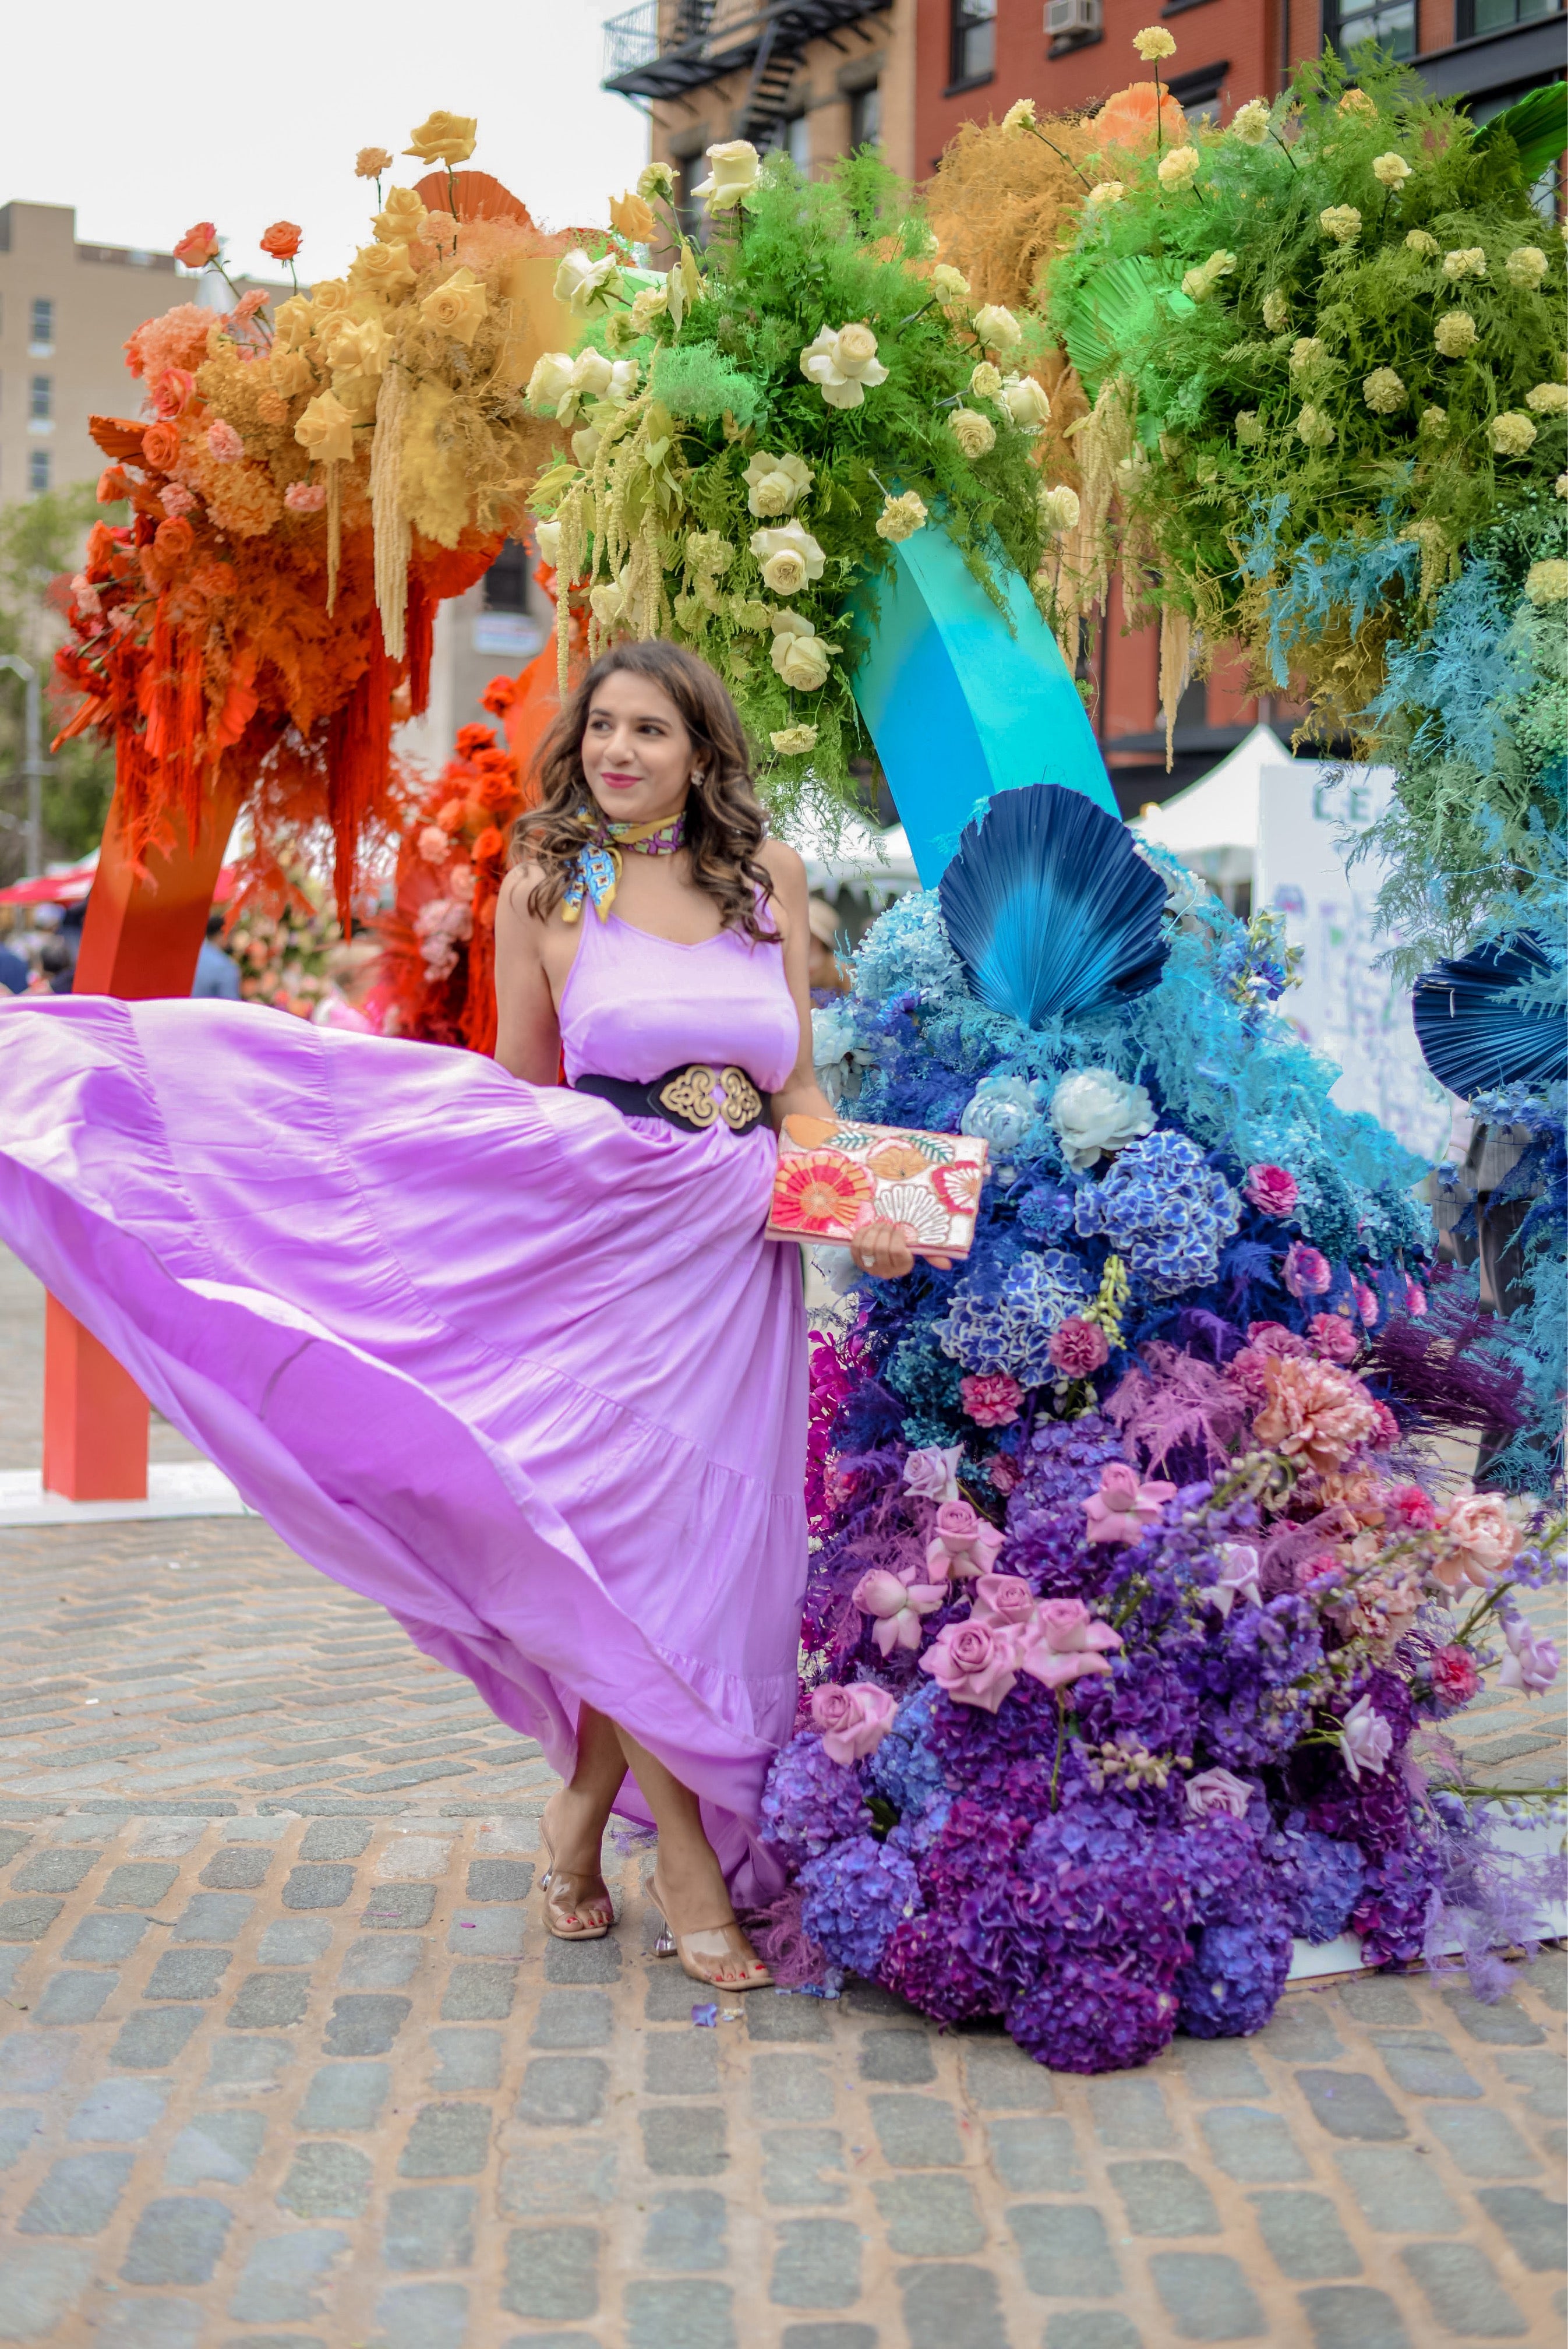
(247, 115)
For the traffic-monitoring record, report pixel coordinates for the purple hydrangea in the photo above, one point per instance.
(921, 1963)
(904, 1769)
(1395, 1906)
(1062, 1463)
(1317, 1877)
(1085, 2015)
(975, 1749)
(1252, 1707)
(854, 1896)
(810, 1802)
(1233, 1982)
(1143, 1697)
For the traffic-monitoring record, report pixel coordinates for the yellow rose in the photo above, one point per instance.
(292, 324)
(359, 345)
(801, 661)
(325, 431)
(457, 307)
(734, 171)
(631, 218)
(381, 269)
(400, 219)
(444, 138)
(289, 372)
(331, 295)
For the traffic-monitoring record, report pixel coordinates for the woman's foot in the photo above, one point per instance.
(577, 1904)
(714, 1952)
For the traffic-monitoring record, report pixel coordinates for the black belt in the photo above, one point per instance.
(693, 1098)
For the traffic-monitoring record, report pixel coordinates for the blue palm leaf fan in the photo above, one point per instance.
(1050, 907)
(1473, 1031)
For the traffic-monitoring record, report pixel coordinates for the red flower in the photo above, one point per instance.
(820, 1191)
(282, 240)
(474, 738)
(499, 696)
(199, 245)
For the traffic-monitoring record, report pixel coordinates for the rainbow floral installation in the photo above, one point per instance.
(1140, 1598)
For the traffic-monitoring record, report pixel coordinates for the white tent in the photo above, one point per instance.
(1214, 825)
(864, 858)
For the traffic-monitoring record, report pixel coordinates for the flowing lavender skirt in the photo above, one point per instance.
(522, 1370)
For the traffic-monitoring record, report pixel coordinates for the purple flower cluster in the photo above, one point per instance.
(811, 1803)
(854, 1896)
(1318, 1877)
(1251, 1705)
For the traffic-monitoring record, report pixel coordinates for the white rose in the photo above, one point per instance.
(801, 661)
(586, 285)
(550, 380)
(625, 377)
(1025, 402)
(586, 445)
(789, 556)
(842, 362)
(547, 539)
(1094, 1112)
(948, 282)
(775, 485)
(736, 167)
(1058, 507)
(997, 328)
(609, 601)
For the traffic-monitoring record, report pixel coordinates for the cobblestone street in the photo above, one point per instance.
(287, 2061)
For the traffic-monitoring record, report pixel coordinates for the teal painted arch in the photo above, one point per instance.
(958, 708)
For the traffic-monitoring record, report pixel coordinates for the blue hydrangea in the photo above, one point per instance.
(1317, 1877)
(853, 1897)
(811, 1801)
(1046, 1212)
(1011, 1331)
(1231, 1983)
(903, 1770)
(1165, 1212)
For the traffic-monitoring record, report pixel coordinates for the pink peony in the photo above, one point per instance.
(1482, 1537)
(223, 442)
(1213, 1792)
(931, 1474)
(305, 497)
(1315, 1414)
(897, 1606)
(1333, 1336)
(1411, 1509)
(1272, 1191)
(992, 1400)
(1454, 1674)
(1365, 1739)
(1077, 1347)
(1415, 1299)
(854, 1721)
(974, 1663)
(1306, 1272)
(1001, 1598)
(1066, 1643)
(1531, 1663)
(1238, 1578)
(1002, 1471)
(1123, 1508)
(964, 1543)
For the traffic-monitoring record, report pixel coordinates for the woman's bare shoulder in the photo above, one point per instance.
(783, 867)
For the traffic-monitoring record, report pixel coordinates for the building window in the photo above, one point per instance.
(506, 581)
(38, 470)
(41, 399)
(1386, 25)
(865, 115)
(974, 55)
(1198, 93)
(41, 333)
(795, 138)
(1496, 15)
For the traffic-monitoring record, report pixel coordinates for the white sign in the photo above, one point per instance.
(512, 633)
(1344, 1007)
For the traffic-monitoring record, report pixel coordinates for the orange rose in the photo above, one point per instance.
(174, 540)
(199, 245)
(282, 240)
(160, 447)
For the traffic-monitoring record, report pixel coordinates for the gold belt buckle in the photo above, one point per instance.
(742, 1104)
(689, 1094)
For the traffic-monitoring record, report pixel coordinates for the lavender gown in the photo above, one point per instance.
(522, 1369)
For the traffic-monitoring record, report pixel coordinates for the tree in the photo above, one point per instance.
(40, 545)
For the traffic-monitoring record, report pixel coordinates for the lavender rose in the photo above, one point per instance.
(854, 1721)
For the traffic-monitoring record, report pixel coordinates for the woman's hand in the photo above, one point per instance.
(882, 1249)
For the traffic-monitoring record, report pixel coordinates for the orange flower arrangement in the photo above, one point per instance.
(821, 1191)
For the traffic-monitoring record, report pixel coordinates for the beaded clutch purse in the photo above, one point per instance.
(835, 1176)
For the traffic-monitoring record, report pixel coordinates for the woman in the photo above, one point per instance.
(513, 1358)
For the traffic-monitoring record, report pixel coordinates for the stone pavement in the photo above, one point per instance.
(287, 2061)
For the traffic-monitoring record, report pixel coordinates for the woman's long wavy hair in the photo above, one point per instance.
(724, 826)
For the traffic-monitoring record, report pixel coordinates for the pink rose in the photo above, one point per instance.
(1272, 1191)
(1482, 1537)
(1078, 1348)
(1454, 1674)
(1066, 1643)
(1410, 1508)
(224, 442)
(1415, 1299)
(931, 1474)
(1531, 1663)
(854, 1721)
(1238, 1578)
(1002, 1471)
(1365, 1739)
(1001, 1598)
(992, 1400)
(171, 393)
(1332, 1336)
(974, 1663)
(1215, 1791)
(433, 844)
(1123, 1508)
(963, 1544)
(1307, 1272)
(897, 1607)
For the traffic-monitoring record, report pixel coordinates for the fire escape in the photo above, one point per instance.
(702, 41)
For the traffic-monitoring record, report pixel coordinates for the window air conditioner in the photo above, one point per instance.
(1064, 19)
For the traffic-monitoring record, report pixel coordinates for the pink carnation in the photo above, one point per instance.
(1318, 1572)
(1307, 1272)
(1078, 1348)
(991, 1399)
(1366, 1303)
(974, 1663)
(175, 500)
(1315, 1414)
(305, 497)
(1332, 1336)
(1272, 1191)
(1386, 1432)
(1454, 1674)
(223, 442)
(854, 1721)
(1415, 1299)
(1411, 1509)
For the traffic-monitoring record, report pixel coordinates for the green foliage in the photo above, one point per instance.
(40, 542)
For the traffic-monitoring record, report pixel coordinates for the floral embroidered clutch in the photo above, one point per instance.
(834, 1175)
